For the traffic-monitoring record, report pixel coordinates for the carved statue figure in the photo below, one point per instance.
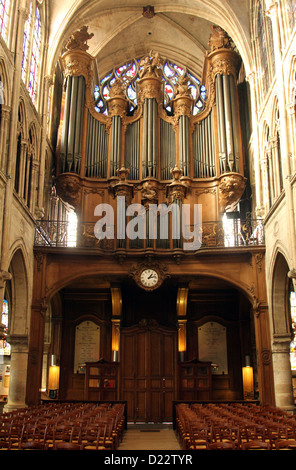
(78, 40)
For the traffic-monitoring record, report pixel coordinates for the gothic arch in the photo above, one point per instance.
(5, 95)
(19, 292)
(280, 285)
(213, 12)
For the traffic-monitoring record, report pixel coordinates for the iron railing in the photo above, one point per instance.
(227, 233)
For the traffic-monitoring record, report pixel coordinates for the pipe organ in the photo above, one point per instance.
(181, 156)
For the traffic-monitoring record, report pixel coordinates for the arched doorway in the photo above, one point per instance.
(282, 333)
(149, 352)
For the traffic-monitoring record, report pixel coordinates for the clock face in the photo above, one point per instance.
(149, 278)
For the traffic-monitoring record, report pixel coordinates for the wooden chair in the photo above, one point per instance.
(256, 445)
(222, 446)
(33, 445)
(67, 446)
(289, 444)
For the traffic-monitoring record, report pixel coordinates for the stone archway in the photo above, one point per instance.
(281, 340)
(17, 331)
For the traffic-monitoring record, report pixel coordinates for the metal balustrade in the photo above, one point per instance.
(226, 233)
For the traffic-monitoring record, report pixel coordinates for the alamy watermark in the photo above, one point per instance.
(135, 222)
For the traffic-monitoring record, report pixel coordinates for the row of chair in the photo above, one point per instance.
(69, 426)
(234, 426)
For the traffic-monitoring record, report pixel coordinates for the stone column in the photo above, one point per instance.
(21, 18)
(18, 373)
(265, 181)
(5, 116)
(272, 10)
(48, 82)
(282, 372)
(256, 157)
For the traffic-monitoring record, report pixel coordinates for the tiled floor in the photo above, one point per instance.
(149, 437)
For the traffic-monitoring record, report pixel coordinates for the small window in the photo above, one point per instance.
(5, 7)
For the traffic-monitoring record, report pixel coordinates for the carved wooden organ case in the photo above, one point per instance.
(150, 156)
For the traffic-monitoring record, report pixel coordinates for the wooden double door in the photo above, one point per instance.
(148, 372)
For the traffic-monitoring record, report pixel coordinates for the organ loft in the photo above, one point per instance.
(155, 296)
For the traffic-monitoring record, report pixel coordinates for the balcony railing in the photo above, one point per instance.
(227, 233)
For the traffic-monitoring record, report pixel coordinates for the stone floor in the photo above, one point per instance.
(149, 437)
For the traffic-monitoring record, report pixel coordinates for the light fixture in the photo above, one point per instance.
(248, 379)
(53, 378)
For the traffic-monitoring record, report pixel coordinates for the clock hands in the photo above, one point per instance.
(152, 276)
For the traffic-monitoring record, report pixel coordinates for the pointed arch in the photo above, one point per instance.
(4, 84)
(19, 291)
(280, 288)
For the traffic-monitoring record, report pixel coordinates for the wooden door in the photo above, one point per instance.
(148, 373)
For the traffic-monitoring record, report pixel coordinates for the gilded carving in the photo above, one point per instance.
(231, 189)
(177, 190)
(151, 66)
(149, 193)
(78, 63)
(219, 39)
(122, 187)
(78, 40)
(68, 187)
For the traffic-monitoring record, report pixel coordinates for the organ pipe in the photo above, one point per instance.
(227, 123)
(150, 139)
(72, 124)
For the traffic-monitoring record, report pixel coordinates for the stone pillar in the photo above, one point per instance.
(256, 158)
(282, 372)
(11, 160)
(5, 116)
(18, 373)
(272, 10)
(265, 181)
(48, 82)
(23, 168)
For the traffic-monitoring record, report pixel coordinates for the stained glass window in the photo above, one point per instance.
(31, 51)
(33, 74)
(129, 74)
(5, 348)
(293, 343)
(263, 49)
(4, 18)
(26, 43)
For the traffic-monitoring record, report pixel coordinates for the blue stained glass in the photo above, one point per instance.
(193, 91)
(180, 70)
(131, 93)
(129, 74)
(168, 72)
(106, 78)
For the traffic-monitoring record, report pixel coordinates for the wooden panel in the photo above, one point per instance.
(149, 381)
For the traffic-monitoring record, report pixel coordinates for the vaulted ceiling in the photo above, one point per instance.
(179, 29)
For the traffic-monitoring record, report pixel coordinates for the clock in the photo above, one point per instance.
(149, 277)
